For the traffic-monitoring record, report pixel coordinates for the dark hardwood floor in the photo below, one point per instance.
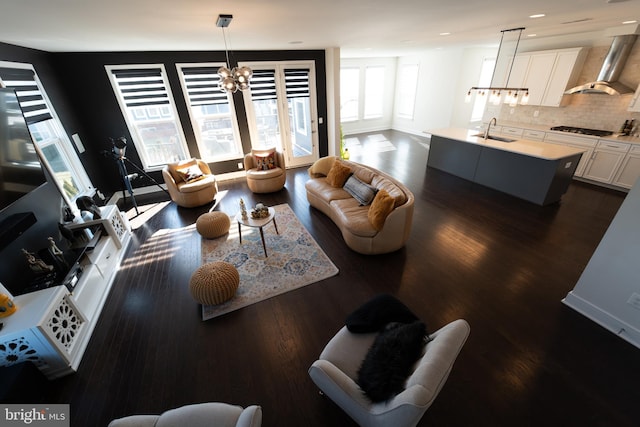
(502, 264)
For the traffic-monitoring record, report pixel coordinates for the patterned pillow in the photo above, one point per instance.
(265, 161)
(361, 191)
(190, 173)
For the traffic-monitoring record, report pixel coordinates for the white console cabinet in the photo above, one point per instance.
(52, 327)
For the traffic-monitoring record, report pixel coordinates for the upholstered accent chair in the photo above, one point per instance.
(190, 183)
(336, 371)
(198, 415)
(266, 171)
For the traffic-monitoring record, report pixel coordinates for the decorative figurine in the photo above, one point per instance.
(55, 250)
(36, 264)
(7, 306)
(260, 211)
(243, 209)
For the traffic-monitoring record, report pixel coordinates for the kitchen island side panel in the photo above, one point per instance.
(452, 156)
(536, 180)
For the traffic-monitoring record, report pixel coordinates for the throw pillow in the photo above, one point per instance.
(375, 314)
(390, 360)
(380, 208)
(265, 161)
(361, 191)
(338, 174)
(190, 173)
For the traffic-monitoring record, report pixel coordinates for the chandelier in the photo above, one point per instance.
(495, 93)
(238, 77)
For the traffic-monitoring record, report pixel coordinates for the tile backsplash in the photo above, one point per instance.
(585, 110)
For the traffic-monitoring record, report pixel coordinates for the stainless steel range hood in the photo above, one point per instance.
(607, 81)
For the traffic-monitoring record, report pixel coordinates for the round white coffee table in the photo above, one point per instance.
(257, 223)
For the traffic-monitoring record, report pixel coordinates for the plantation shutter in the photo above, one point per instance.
(32, 102)
(263, 85)
(202, 86)
(297, 83)
(142, 87)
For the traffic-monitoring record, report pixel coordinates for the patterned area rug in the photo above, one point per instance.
(294, 260)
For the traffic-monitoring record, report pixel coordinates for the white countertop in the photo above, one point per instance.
(547, 128)
(526, 147)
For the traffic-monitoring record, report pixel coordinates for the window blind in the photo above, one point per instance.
(32, 102)
(202, 86)
(297, 83)
(263, 85)
(142, 87)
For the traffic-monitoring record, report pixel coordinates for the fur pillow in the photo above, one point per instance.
(376, 313)
(381, 207)
(338, 174)
(390, 360)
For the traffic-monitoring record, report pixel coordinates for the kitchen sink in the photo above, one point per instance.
(495, 138)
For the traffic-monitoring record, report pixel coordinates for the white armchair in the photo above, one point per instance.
(336, 370)
(211, 414)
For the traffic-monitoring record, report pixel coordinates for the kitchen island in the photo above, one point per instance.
(531, 170)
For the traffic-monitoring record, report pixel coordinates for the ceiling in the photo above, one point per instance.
(359, 28)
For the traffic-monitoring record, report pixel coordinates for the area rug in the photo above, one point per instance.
(294, 260)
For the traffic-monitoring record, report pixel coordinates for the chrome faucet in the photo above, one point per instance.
(486, 132)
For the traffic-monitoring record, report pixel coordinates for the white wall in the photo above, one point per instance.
(612, 275)
(439, 73)
(383, 122)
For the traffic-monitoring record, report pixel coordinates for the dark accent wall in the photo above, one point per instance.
(45, 202)
(86, 84)
(79, 89)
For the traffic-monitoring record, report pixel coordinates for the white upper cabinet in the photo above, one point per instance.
(547, 74)
(538, 75)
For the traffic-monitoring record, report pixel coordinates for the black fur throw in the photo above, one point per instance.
(388, 363)
(376, 313)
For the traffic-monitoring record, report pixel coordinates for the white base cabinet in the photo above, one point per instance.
(629, 171)
(52, 327)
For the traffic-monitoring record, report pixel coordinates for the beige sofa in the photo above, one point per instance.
(352, 218)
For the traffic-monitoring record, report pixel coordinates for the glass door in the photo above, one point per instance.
(281, 109)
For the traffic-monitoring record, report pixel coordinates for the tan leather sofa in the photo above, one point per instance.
(190, 193)
(352, 218)
(265, 180)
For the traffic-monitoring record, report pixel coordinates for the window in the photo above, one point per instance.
(147, 105)
(373, 92)
(349, 94)
(486, 72)
(56, 150)
(212, 112)
(407, 86)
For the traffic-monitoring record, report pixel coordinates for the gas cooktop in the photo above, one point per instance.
(582, 131)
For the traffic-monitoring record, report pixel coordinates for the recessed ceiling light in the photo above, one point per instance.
(537, 15)
(445, 34)
(531, 35)
(630, 22)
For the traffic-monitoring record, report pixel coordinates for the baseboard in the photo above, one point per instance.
(117, 196)
(603, 318)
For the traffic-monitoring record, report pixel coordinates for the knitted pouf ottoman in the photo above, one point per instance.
(214, 283)
(213, 224)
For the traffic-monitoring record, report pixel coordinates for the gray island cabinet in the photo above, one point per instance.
(531, 170)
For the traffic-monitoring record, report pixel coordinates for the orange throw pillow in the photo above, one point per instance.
(338, 174)
(380, 208)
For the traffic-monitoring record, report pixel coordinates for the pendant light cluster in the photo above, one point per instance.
(238, 77)
(511, 94)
